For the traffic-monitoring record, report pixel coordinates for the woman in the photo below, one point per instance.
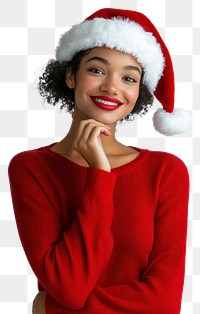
(104, 225)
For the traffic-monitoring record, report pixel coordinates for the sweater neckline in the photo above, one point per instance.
(131, 164)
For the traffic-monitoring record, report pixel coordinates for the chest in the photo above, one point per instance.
(133, 221)
(133, 218)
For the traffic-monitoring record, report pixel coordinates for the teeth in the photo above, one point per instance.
(105, 102)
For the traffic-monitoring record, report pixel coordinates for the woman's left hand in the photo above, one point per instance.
(39, 303)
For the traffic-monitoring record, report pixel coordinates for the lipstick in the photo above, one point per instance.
(106, 103)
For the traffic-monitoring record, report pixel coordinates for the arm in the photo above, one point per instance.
(161, 284)
(69, 262)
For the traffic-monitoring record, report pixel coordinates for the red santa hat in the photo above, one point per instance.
(133, 33)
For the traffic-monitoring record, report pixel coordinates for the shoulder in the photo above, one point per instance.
(27, 159)
(170, 167)
(163, 164)
(166, 159)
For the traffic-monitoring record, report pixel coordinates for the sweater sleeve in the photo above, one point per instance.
(160, 287)
(69, 262)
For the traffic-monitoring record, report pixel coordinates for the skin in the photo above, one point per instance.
(91, 139)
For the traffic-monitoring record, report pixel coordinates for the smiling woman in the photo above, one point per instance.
(53, 87)
(104, 225)
(109, 74)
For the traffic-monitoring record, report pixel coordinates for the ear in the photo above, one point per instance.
(70, 80)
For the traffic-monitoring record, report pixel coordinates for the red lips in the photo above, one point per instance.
(108, 107)
(106, 98)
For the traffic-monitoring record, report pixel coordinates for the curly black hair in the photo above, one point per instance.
(53, 88)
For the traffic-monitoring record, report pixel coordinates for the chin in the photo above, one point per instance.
(105, 119)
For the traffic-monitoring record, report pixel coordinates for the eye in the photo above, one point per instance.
(95, 71)
(129, 79)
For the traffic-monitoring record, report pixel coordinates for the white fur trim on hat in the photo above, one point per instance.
(171, 123)
(120, 34)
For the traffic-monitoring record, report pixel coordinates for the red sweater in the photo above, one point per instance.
(103, 242)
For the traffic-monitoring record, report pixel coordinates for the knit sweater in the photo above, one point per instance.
(103, 242)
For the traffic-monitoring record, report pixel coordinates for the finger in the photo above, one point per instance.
(96, 131)
(86, 128)
(93, 122)
(79, 134)
(106, 132)
(83, 133)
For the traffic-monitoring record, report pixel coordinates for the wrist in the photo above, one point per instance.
(101, 167)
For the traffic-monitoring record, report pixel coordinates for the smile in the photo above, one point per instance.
(106, 103)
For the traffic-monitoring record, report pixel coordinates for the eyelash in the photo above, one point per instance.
(97, 71)
(129, 79)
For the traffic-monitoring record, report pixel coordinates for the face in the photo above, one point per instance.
(106, 86)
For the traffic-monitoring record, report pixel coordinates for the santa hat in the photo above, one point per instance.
(133, 33)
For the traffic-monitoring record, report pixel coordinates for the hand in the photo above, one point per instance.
(39, 303)
(87, 143)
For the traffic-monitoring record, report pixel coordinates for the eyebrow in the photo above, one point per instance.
(104, 61)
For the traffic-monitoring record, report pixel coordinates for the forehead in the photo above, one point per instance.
(112, 55)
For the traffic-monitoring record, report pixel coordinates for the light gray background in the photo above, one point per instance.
(29, 31)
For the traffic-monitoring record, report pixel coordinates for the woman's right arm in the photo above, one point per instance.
(67, 263)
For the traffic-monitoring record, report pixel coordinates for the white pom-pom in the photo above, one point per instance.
(173, 123)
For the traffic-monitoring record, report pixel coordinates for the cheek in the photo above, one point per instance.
(133, 94)
(83, 86)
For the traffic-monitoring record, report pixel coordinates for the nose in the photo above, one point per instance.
(109, 85)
